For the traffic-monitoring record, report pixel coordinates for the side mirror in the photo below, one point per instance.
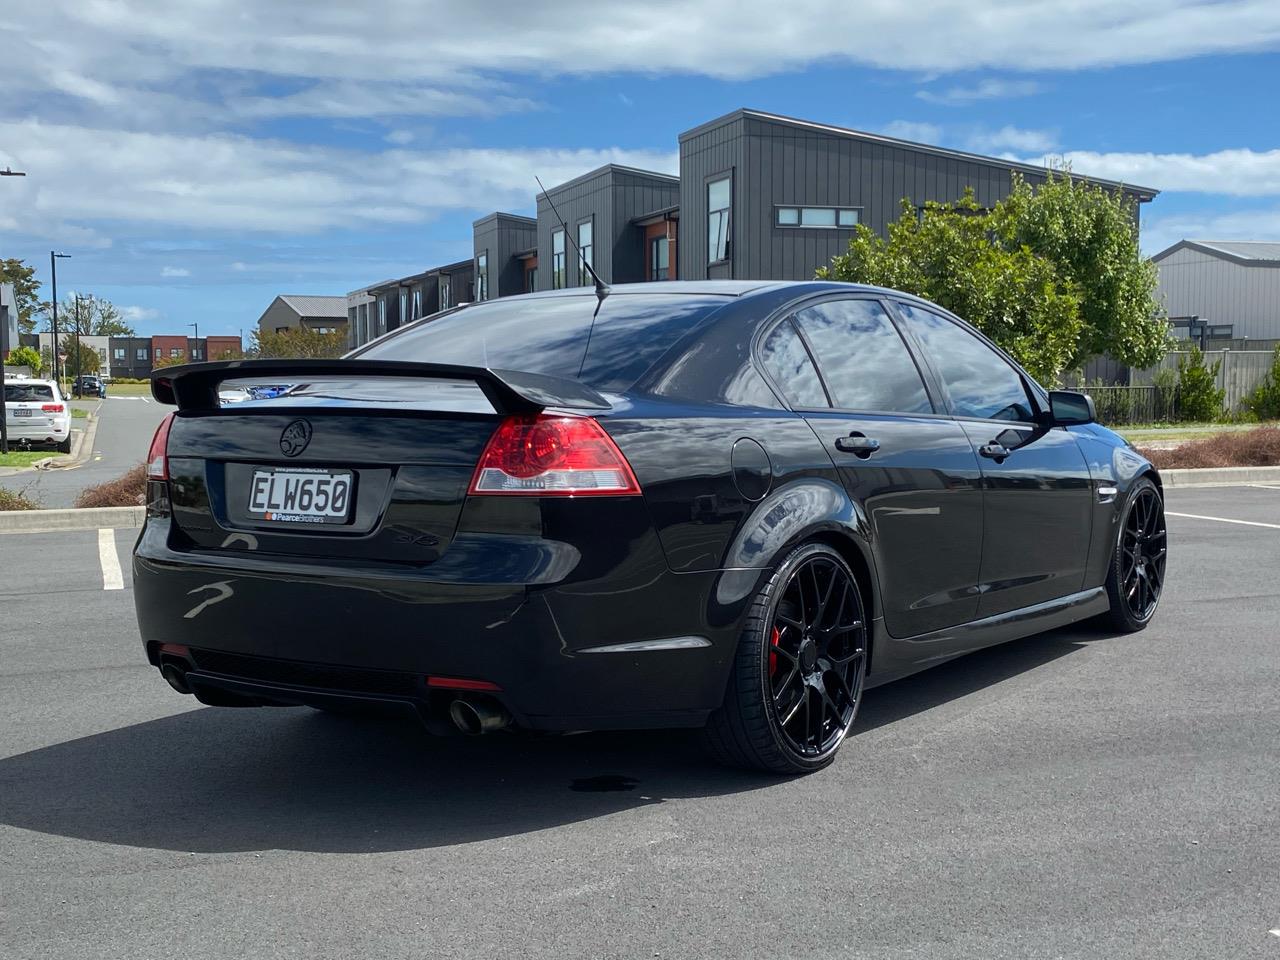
(1070, 408)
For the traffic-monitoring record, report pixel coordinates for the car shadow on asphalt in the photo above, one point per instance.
(225, 780)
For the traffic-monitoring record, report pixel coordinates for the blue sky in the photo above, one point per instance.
(196, 160)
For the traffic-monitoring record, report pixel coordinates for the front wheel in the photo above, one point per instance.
(1135, 580)
(797, 676)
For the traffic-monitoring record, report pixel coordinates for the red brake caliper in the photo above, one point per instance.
(774, 639)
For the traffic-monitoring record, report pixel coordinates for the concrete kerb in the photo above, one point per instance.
(91, 518)
(1219, 476)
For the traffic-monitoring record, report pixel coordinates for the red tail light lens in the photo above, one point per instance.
(546, 456)
(52, 408)
(158, 455)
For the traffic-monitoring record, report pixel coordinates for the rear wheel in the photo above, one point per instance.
(1136, 578)
(798, 672)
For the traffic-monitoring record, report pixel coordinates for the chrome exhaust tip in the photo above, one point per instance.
(176, 677)
(475, 718)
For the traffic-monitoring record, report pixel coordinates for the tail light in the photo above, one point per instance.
(553, 456)
(52, 408)
(158, 455)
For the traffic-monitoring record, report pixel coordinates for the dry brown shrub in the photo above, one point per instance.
(129, 490)
(1250, 448)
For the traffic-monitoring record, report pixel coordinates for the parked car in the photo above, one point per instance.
(228, 395)
(728, 505)
(88, 386)
(261, 391)
(37, 413)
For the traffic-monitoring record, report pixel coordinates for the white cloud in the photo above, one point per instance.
(1238, 172)
(399, 137)
(930, 133)
(1011, 139)
(135, 315)
(92, 178)
(239, 266)
(297, 57)
(175, 272)
(991, 89)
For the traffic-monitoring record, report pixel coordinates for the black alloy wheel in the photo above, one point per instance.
(1137, 574)
(798, 674)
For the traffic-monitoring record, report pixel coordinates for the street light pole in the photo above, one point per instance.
(196, 338)
(53, 269)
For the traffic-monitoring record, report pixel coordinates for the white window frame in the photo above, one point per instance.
(586, 253)
(798, 210)
(558, 273)
(722, 251)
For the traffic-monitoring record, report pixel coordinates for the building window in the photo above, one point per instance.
(531, 280)
(831, 218)
(143, 353)
(585, 254)
(382, 316)
(404, 305)
(718, 195)
(557, 259)
(659, 258)
(118, 353)
(175, 352)
(195, 353)
(482, 276)
(446, 293)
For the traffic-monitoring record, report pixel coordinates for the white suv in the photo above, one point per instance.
(37, 412)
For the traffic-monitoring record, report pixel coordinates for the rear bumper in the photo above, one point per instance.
(38, 433)
(291, 632)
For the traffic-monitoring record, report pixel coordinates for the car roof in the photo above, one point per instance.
(28, 380)
(720, 288)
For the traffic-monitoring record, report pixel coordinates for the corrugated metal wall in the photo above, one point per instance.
(776, 163)
(1194, 283)
(502, 236)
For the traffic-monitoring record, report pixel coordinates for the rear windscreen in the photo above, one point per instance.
(19, 392)
(555, 335)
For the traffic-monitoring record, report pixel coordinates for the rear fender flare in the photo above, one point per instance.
(806, 509)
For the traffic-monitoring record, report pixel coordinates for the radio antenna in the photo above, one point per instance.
(602, 288)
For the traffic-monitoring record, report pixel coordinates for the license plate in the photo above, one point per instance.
(19, 412)
(300, 496)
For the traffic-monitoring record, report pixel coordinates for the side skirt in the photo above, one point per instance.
(896, 657)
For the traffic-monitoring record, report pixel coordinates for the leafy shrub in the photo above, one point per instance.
(9, 500)
(1247, 448)
(1199, 398)
(1264, 402)
(129, 490)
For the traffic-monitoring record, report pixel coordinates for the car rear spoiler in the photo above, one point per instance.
(194, 386)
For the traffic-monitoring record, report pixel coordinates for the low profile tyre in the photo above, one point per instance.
(797, 676)
(65, 446)
(1136, 578)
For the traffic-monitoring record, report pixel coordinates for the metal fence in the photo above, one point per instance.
(1118, 406)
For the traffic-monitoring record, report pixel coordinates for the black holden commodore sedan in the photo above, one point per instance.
(725, 505)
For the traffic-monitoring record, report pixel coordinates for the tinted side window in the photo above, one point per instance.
(787, 361)
(980, 381)
(865, 362)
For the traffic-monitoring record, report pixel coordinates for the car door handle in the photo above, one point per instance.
(858, 445)
(994, 451)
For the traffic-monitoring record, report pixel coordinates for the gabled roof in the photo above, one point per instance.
(1249, 253)
(1143, 193)
(309, 306)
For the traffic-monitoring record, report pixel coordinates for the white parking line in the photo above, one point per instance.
(1245, 523)
(112, 577)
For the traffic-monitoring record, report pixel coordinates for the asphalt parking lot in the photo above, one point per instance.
(1074, 795)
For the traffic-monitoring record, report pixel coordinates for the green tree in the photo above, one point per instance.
(946, 255)
(1264, 401)
(81, 358)
(1199, 398)
(25, 357)
(97, 317)
(299, 342)
(1090, 234)
(1052, 274)
(26, 291)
